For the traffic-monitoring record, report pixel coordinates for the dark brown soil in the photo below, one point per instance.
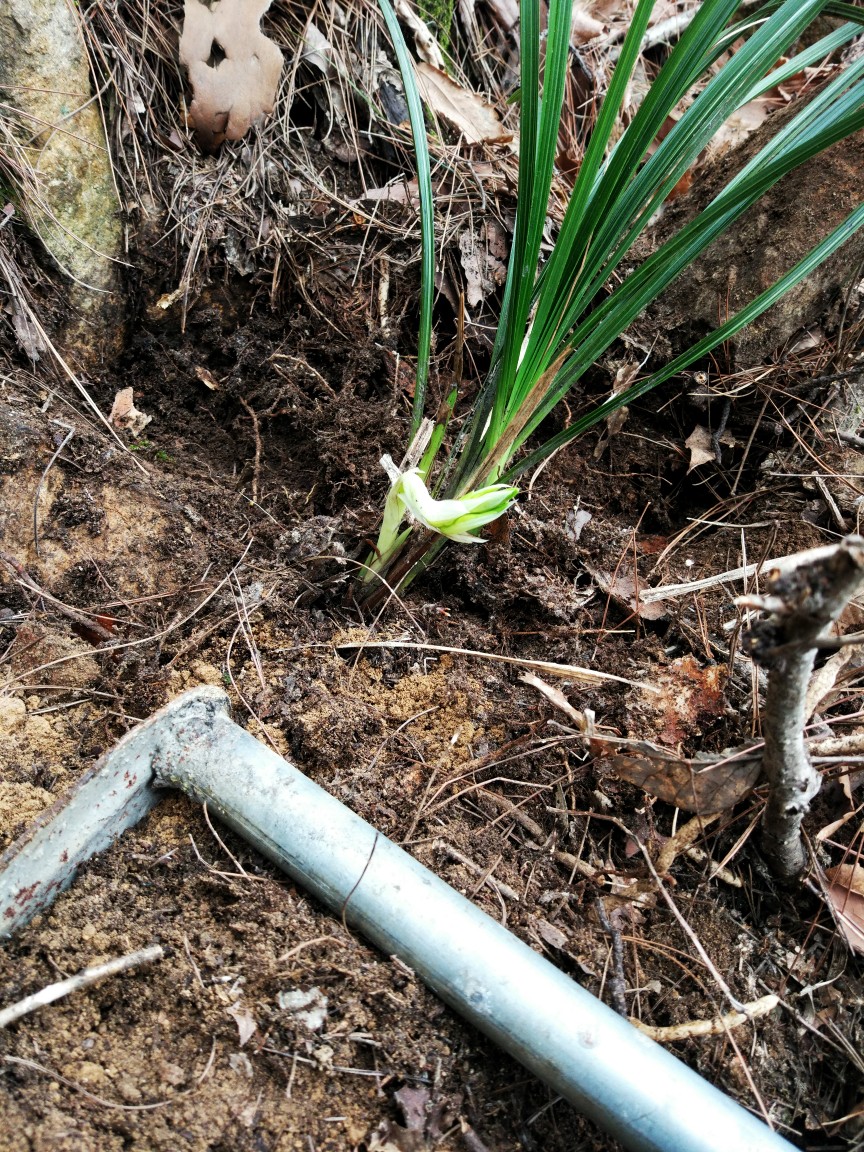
(154, 1059)
(219, 547)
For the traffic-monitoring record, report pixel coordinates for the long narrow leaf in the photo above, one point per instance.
(532, 208)
(726, 331)
(598, 332)
(625, 219)
(427, 221)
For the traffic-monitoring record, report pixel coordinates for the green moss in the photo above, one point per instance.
(440, 14)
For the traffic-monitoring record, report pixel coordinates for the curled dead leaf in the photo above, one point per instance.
(582, 721)
(475, 120)
(125, 415)
(400, 192)
(583, 25)
(846, 891)
(484, 271)
(701, 447)
(621, 586)
(703, 785)
(245, 1021)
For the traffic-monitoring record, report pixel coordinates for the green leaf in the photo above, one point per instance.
(557, 321)
(427, 221)
(747, 315)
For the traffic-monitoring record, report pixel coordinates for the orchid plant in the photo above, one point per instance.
(558, 317)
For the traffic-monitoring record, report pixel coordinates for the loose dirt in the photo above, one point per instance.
(219, 547)
(198, 584)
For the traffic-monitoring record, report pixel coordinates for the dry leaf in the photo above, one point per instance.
(207, 378)
(245, 1022)
(550, 934)
(318, 52)
(240, 1062)
(624, 377)
(505, 13)
(414, 1103)
(392, 1137)
(125, 415)
(824, 680)
(689, 699)
(622, 587)
(557, 697)
(700, 445)
(167, 300)
(233, 68)
(172, 1074)
(308, 1008)
(484, 272)
(400, 192)
(475, 120)
(703, 785)
(29, 337)
(584, 26)
(846, 891)
(427, 46)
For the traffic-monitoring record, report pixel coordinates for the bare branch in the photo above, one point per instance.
(81, 980)
(804, 600)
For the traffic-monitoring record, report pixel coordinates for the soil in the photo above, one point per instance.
(218, 547)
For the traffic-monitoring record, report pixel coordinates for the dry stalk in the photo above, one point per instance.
(803, 600)
(715, 1026)
(82, 980)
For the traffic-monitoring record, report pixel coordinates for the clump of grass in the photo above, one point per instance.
(558, 319)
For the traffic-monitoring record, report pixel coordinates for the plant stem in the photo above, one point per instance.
(804, 602)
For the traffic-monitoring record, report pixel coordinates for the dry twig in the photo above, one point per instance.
(803, 602)
(82, 979)
(716, 1026)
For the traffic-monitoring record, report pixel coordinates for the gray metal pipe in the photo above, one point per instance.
(627, 1083)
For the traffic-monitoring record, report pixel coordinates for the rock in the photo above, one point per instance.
(13, 714)
(44, 73)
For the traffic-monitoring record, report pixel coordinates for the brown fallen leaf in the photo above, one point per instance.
(475, 120)
(245, 1021)
(233, 68)
(557, 697)
(583, 25)
(125, 415)
(484, 271)
(553, 936)
(701, 447)
(703, 785)
(624, 377)
(428, 48)
(691, 699)
(30, 339)
(505, 13)
(400, 192)
(846, 892)
(621, 587)
(319, 53)
(207, 378)
(414, 1104)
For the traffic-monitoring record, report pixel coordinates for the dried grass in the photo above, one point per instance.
(301, 179)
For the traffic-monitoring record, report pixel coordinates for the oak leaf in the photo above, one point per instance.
(475, 120)
(846, 891)
(233, 68)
